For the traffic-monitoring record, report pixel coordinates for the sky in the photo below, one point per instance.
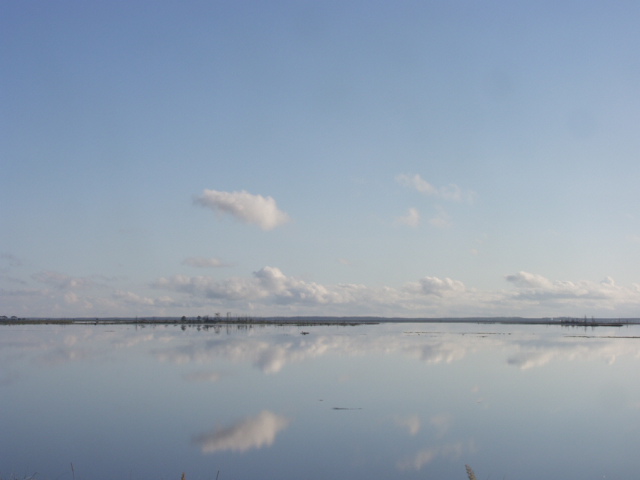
(410, 158)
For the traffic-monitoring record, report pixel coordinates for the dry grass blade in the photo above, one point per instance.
(470, 474)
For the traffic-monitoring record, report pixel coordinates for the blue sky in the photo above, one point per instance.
(319, 158)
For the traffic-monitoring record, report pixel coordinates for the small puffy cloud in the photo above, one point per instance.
(411, 219)
(203, 262)
(244, 206)
(250, 433)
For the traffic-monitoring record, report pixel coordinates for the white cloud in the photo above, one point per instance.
(131, 298)
(244, 206)
(608, 281)
(539, 288)
(71, 297)
(529, 280)
(440, 286)
(545, 297)
(411, 219)
(418, 183)
(203, 262)
(250, 433)
(441, 219)
(451, 192)
(61, 281)
(269, 291)
(268, 284)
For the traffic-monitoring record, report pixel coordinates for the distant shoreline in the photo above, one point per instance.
(318, 320)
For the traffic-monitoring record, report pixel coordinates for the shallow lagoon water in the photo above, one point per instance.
(402, 401)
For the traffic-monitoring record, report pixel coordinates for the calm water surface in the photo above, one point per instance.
(388, 401)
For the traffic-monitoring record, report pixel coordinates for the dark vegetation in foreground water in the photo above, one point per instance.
(218, 319)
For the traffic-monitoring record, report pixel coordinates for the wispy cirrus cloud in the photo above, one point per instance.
(410, 219)
(244, 206)
(61, 281)
(133, 299)
(413, 218)
(441, 219)
(451, 192)
(204, 262)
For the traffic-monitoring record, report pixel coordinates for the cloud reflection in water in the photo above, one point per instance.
(411, 423)
(425, 456)
(272, 354)
(250, 433)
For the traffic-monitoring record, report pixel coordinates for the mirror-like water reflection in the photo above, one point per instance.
(339, 402)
